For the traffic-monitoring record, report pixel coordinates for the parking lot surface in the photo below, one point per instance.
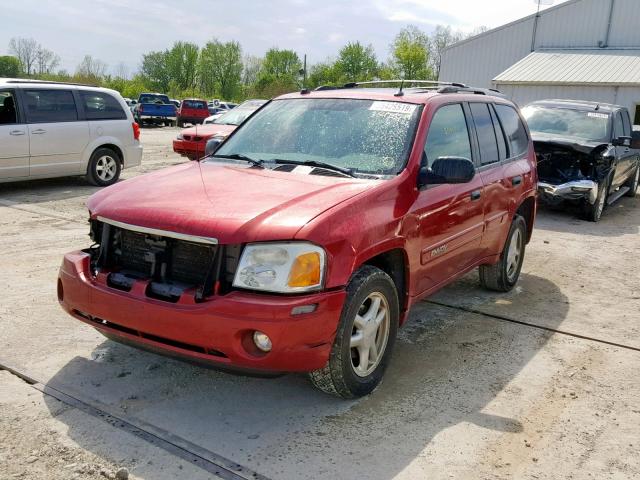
(537, 383)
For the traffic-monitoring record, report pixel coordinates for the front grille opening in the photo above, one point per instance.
(171, 266)
(154, 338)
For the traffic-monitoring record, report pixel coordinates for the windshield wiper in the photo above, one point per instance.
(240, 156)
(313, 163)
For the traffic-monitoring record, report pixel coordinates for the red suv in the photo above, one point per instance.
(303, 242)
(192, 110)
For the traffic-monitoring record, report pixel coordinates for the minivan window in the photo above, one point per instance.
(101, 106)
(48, 106)
(8, 110)
(448, 135)
(514, 129)
(486, 133)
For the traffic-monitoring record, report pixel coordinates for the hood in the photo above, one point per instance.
(209, 130)
(232, 203)
(579, 146)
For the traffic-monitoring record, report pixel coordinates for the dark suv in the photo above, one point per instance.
(587, 153)
(302, 242)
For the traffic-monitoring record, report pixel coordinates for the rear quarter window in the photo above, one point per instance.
(513, 129)
(101, 106)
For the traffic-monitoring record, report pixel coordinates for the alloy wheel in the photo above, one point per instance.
(106, 168)
(514, 254)
(370, 334)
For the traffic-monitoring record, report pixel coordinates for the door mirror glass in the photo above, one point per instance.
(212, 146)
(448, 170)
(622, 141)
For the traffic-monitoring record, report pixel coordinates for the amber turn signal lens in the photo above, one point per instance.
(305, 271)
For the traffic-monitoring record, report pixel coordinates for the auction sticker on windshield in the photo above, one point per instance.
(393, 107)
(597, 115)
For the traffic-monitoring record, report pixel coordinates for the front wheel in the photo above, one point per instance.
(365, 338)
(503, 276)
(593, 213)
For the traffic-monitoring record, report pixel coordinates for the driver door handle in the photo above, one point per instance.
(39, 131)
(16, 132)
(516, 180)
(475, 195)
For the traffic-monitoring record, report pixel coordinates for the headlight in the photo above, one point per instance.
(281, 267)
(179, 137)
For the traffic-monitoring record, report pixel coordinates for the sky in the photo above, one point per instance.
(120, 31)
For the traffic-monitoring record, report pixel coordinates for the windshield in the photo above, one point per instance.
(569, 124)
(366, 136)
(235, 116)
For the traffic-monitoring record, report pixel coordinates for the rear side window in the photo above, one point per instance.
(194, 104)
(101, 106)
(514, 130)
(486, 133)
(48, 106)
(8, 108)
(448, 134)
(502, 143)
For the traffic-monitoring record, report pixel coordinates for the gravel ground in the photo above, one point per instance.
(467, 396)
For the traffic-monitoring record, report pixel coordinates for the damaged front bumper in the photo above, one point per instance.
(575, 190)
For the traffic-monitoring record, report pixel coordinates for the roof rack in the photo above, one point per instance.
(474, 90)
(40, 82)
(380, 82)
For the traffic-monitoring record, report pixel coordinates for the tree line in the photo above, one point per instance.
(221, 69)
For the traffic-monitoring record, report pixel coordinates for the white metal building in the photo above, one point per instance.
(580, 49)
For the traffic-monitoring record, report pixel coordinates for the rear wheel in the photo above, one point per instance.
(104, 167)
(504, 275)
(365, 338)
(632, 183)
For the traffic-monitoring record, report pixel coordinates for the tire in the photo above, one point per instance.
(593, 213)
(343, 375)
(180, 124)
(104, 167)
(503, 276)
(632, 183)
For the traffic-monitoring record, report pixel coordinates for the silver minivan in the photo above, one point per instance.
(50, 129)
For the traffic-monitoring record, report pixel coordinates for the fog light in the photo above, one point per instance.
(262, 341)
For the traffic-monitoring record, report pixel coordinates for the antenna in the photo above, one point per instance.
(400, 93)
(536, 19)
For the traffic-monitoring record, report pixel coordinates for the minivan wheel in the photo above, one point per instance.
(632, 183)
(504, 275)
(104, 167)
(365, 338)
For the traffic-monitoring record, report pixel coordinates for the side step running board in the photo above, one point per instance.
(616, 195)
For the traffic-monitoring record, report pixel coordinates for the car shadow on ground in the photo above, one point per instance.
(448, 368)
(47, 190)
(621, 218)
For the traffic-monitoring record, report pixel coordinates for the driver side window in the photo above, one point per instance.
(448, 135)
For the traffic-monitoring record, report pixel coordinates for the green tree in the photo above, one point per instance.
(357, 62)
(279, 73)
(182, 64)
(10, 66)
(220, 68)
(410, 54)
(155, 72)
(324, 73)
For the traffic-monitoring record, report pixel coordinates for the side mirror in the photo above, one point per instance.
(447, 170)
(635, 140)
(212, 146)
(622, 141)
